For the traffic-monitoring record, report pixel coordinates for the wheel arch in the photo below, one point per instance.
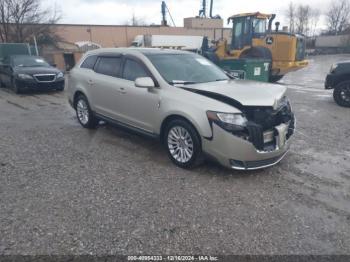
(172, 117)
(75, 97)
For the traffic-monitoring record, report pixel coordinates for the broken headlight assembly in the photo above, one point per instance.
(231, 122)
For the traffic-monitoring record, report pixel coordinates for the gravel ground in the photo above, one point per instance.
(68, 190)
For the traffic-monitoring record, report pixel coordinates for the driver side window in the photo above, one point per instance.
(133, 70)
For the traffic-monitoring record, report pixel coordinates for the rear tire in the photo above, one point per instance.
(84, 114)
(183, 144)
(341, 94)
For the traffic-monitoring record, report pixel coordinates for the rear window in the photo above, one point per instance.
(89, 62)
(109, 66)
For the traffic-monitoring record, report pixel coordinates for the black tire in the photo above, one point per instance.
(274, 79)
(197, 155)
(15, 87)
(341, 94)
(90, 121)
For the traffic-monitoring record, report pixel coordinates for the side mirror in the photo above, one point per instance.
(144, 82)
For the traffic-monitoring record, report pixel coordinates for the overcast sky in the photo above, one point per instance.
(111, 12)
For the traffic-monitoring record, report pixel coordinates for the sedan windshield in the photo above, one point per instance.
(29, 61)
(186, 68)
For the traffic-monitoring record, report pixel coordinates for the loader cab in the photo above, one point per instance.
(249, 26)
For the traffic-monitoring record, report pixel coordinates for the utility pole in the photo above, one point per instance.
(36, 45)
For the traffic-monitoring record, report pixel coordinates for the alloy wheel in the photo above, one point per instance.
(180, 144)
(83, 112)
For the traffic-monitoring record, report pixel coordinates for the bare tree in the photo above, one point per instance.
(314, 20)
(23, 19)
(338, 16)
(302, 19)
(291, 17)
(5, 18)
(135, 21)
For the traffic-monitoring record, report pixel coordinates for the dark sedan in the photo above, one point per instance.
(23, 72)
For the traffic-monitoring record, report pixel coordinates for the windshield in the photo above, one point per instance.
(186, 68)
(259, 26)
(29, 61)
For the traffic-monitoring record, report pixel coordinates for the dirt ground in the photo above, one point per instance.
(68, 190)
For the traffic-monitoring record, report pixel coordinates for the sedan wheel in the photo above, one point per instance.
(15, 87)
(183, 144)
(84, 114)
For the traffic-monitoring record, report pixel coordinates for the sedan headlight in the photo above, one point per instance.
(333, 67)
(60, 75)
(24, 76)
(229, 121)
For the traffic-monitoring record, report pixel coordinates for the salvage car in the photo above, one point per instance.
(187, 102)
(24, 72)
(339, 80)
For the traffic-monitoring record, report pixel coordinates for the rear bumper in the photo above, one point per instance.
(282, 67)
(34, 85)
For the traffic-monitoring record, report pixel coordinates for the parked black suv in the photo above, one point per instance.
(23, 72)
(339, 80)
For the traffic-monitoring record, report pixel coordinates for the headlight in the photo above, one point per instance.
(333, 67)
(60, 75)
(25, 76)
(228, 121)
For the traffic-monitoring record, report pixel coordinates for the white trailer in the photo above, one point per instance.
(183, 42)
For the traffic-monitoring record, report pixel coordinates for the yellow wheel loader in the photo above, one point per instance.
(253, 37)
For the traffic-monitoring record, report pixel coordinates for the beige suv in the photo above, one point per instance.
(185, 101)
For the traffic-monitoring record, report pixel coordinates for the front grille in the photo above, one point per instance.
(262, 119)
(45, 78)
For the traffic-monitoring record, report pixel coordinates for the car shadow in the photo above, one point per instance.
(159, 155)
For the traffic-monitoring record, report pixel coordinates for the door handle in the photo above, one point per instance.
(122, 90)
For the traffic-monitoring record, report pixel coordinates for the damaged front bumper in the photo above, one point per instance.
(239, 153)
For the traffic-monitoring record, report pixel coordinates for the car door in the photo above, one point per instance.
(139, 106)
(105, 93)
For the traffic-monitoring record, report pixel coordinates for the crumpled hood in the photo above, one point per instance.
(246, 93)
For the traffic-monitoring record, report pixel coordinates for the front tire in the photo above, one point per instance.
(84, 114)
(341, 94)
(183, 144)
(15, 87)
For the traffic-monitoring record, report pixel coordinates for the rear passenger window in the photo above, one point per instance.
(89, 62)
(133, 70)
(109, 66)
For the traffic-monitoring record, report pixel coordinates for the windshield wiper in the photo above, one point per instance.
(181, 82)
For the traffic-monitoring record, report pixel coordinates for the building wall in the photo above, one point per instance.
(196, 22)
(332, 41)
(122, 36)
